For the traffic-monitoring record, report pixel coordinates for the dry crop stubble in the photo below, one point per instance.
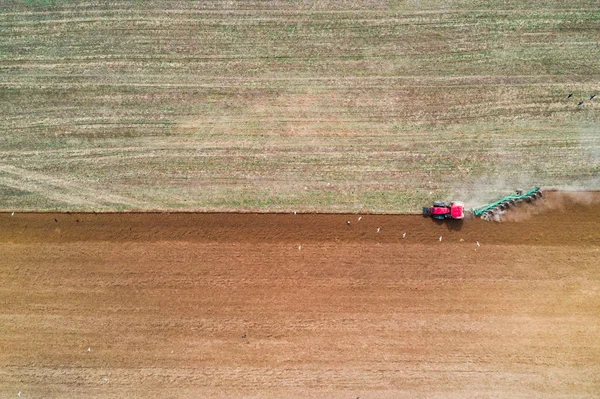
(259, 106)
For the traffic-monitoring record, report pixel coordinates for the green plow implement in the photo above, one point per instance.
(488, 211)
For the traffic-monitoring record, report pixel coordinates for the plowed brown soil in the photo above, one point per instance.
(279, 305)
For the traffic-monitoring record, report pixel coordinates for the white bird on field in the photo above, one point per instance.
(19, 394)
(378, 229)
(13, 214)
(299, 247)
(89, 349)
(404, 235)
(440, 238)
(360, 217)
(478, 243)
(105, 379)
(294, 212)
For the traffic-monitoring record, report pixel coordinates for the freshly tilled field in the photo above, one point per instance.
(247, 305)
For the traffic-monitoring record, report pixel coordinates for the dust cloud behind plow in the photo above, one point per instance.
(552, 201)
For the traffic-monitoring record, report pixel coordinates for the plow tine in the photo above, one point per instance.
(489, 211)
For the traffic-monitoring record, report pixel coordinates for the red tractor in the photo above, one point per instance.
(441, 210)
